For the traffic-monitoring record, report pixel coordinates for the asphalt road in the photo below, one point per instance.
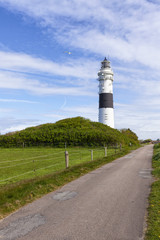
(107, 204)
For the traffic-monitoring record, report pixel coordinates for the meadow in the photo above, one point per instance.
(153, 221)
(18, 164)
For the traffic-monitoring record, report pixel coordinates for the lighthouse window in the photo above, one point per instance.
(106, 116)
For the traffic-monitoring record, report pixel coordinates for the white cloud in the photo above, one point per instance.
(26, 63)
(49, 77)
(87, 111)
(15, 128)
(9, 124)
(5, 110)
(139, 117)
(15, 81)
(55, 116)
(128, 31)
(16, 101)
(91, 111)
(50, 9)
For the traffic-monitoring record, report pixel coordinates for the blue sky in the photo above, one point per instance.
(41, 83)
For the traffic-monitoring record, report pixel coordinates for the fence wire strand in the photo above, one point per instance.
(84, 156)
(31, 157)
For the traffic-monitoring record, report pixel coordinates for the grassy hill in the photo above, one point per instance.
(76, 131)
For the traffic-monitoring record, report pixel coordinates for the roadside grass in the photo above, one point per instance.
(24, 163)
(16, 195)
(153, 221)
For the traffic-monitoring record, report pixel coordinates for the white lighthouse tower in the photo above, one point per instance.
(105, 78)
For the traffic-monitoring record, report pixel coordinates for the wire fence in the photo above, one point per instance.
(26, 163)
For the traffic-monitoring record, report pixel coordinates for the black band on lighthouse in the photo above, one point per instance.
(106, 100)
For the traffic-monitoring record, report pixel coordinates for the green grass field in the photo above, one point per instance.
(153, 221)
(22, 191)
(18, 164)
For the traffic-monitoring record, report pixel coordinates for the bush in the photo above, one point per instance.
(156, 157)
(74, 131)
(156, 146)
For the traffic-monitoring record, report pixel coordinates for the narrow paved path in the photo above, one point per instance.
(107, 204)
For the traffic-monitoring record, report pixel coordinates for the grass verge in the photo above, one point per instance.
(17, 164)
(153, 221)
(18, 194)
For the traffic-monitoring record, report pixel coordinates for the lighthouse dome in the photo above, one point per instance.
(105, 63)
(105, 70)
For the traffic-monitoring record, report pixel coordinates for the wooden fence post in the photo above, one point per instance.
(105, 151)
(66, 159)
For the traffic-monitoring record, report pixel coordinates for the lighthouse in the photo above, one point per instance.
(105, 78)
